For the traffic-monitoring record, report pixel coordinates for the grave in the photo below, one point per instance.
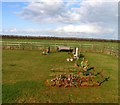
(76, 76)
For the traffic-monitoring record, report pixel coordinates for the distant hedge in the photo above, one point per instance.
(56, 38)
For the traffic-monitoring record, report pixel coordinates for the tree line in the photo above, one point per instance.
(57, 38)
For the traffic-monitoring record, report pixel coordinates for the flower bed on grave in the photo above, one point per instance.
(85, 76)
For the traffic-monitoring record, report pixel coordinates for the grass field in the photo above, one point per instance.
(68, 42)
(24, 74)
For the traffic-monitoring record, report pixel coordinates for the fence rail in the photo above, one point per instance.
(97, 48)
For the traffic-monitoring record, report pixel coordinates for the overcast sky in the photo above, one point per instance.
(75, 18)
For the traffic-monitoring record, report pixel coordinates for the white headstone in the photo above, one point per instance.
(76, 52)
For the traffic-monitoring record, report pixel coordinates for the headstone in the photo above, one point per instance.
(76, 53)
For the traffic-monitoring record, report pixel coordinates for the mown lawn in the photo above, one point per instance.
(24, 74)
(66, 42)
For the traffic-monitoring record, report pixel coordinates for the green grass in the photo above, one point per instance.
(24, 74)
(63, 42)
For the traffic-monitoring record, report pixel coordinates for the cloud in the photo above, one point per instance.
(37, 32)
(48, 11)
(103, 14)
(44, 11)
(86, 16)
(0, 31)
(13, 30)
(85, 28)
(98, 11)
(67, 12)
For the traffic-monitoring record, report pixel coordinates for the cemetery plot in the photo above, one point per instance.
(97, 47)
(79, 75)
(29, 76)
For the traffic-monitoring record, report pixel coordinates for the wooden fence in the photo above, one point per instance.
(97, 48)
